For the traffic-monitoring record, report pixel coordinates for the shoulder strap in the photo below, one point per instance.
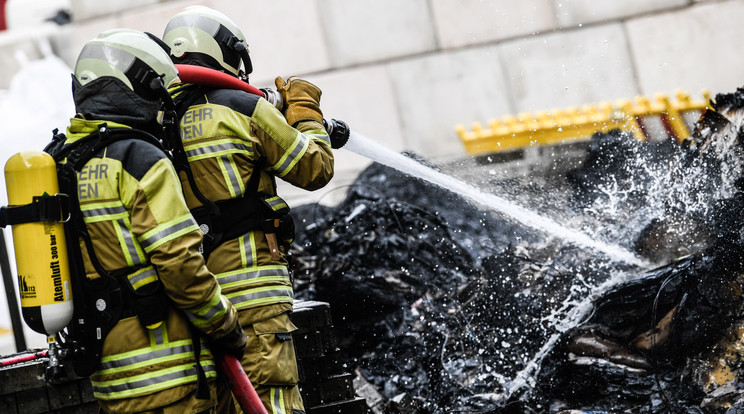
(81, 151)
(186, 97)
(183, 98)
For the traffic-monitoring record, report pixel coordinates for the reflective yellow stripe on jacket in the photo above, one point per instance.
(142, 277)
(216, 147)
(222, 150)
(150, 381)
(292, 156)
(168, 231)
(249, 298)
(115, 212)
(252, 276)
(253, 285)
(276, 203)
(211, 311)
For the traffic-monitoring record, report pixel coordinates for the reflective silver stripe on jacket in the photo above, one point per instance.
(167, 232)
(174, 350)
(142, 277)
(261, 295)
(277, 400)
(244, 276)
(150, 381)
(215, 308)
(248, 250)
(128, 243)
(320, 137)
(194, 152)
(102, 212)
(276, 203)
(284, 166)
(231, 170)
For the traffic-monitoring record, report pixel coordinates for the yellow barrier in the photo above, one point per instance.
(673, 119)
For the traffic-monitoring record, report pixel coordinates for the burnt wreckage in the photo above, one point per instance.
(447, 307)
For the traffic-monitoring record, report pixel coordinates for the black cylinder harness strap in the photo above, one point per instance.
(54, 208)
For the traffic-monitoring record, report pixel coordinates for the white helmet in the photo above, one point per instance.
(122, 75)
(130, 56)
(206, 37)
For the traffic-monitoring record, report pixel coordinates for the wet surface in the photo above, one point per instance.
(445, 306)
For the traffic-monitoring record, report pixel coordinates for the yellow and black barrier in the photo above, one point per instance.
(647, 119)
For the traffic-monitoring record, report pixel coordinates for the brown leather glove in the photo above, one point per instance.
(232, 344)
(301, 100)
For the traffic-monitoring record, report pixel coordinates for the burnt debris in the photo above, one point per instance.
(445, 306)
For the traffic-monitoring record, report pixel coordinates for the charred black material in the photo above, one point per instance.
(729, 101)
(445, 307)
(432, 296)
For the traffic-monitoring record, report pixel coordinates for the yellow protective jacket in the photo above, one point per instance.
(137, 218)
(226, 134)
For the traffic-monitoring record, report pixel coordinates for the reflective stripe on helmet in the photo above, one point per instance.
(127, 55)
(209, 37)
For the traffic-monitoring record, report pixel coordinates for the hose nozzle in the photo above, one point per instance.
(338, 131)
(274, 98)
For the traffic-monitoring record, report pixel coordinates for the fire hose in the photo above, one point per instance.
(337, 129)
(240, 385)
(211, 77)
(23, 358)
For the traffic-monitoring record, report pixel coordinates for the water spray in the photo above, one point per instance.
(366, 147)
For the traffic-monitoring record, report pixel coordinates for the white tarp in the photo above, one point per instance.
(39, 99)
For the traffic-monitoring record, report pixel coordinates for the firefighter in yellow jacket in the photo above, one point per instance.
(141, 229)
(237, 144)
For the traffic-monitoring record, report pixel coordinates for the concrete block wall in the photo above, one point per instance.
(405, 73)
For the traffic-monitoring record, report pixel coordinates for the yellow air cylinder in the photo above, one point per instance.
(40, 248)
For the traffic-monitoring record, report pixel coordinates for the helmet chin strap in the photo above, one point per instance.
(225, 37)
(245, 57)
(157, 85)
(160, 43)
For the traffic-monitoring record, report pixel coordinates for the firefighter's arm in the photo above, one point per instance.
(301, 156)
(170, 238)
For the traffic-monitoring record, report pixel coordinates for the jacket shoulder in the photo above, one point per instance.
(239, 101)
(137, 156)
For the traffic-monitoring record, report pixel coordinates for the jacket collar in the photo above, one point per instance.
(80, 128)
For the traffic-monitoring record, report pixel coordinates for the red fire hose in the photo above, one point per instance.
(241, 386)
(22, 358)
(211, 77)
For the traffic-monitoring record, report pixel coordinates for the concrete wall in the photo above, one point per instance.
(404, 73)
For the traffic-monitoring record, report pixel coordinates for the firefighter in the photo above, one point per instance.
(141, 230)
(237, 144)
